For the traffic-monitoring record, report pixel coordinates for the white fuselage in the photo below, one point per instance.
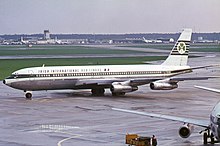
(66, 77)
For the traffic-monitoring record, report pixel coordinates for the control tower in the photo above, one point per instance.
(46, 34)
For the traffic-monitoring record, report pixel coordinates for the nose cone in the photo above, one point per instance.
(5, 81)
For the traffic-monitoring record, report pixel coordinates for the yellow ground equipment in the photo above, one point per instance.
(135, 140)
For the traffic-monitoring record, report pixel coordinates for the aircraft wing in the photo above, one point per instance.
(142, 81)
(208, 89)
(201, 123)
(95, 82)
(107, 82)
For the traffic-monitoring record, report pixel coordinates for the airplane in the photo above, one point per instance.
(212, 126)
(151, 41)
(120, 79)
(24, 41)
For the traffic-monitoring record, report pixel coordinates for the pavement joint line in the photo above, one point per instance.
(63, 140)
(59, 143)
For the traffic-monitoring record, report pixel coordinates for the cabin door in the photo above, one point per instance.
(31, 73)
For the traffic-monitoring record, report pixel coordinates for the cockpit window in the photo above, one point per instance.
(218, 120)
(215, 120)
(13, 76)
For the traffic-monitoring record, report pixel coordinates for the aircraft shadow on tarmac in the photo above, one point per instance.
(87, 94)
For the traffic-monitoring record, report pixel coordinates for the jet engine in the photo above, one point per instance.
(186, 130)
(122, 87)
(163, 85)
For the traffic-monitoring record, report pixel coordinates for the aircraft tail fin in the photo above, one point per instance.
(179, 54)
(146, 41)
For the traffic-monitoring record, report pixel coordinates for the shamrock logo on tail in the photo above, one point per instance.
(181, 47)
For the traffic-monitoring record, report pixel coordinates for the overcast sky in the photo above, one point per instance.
(108, 16)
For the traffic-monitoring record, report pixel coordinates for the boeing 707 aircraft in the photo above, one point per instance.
(212, 126)
(120, 79)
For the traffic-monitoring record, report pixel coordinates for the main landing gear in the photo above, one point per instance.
(208, 135)
(98, 91)
(101, 91)
(28, 95)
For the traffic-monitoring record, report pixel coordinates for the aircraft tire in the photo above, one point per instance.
(98, 92)
(212, 139)
(205, 138)
(28, 96)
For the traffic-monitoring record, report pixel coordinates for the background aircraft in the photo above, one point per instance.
(152, 41)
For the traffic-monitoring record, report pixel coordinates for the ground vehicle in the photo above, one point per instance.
(135, 140)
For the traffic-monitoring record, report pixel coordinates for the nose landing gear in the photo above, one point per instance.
(208, 135)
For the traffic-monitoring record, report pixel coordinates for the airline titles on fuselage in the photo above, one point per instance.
(71, 70)
(92, 72)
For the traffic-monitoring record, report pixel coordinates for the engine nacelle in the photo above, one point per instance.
(122, 87)
(163, 86)
(186, 130)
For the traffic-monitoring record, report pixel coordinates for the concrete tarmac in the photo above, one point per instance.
(72, 118)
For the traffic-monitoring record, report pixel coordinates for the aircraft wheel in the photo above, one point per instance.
(94, 92)
(101, 91)
(205, 138)
(212, 139)
(28, 96)
(98, 92)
